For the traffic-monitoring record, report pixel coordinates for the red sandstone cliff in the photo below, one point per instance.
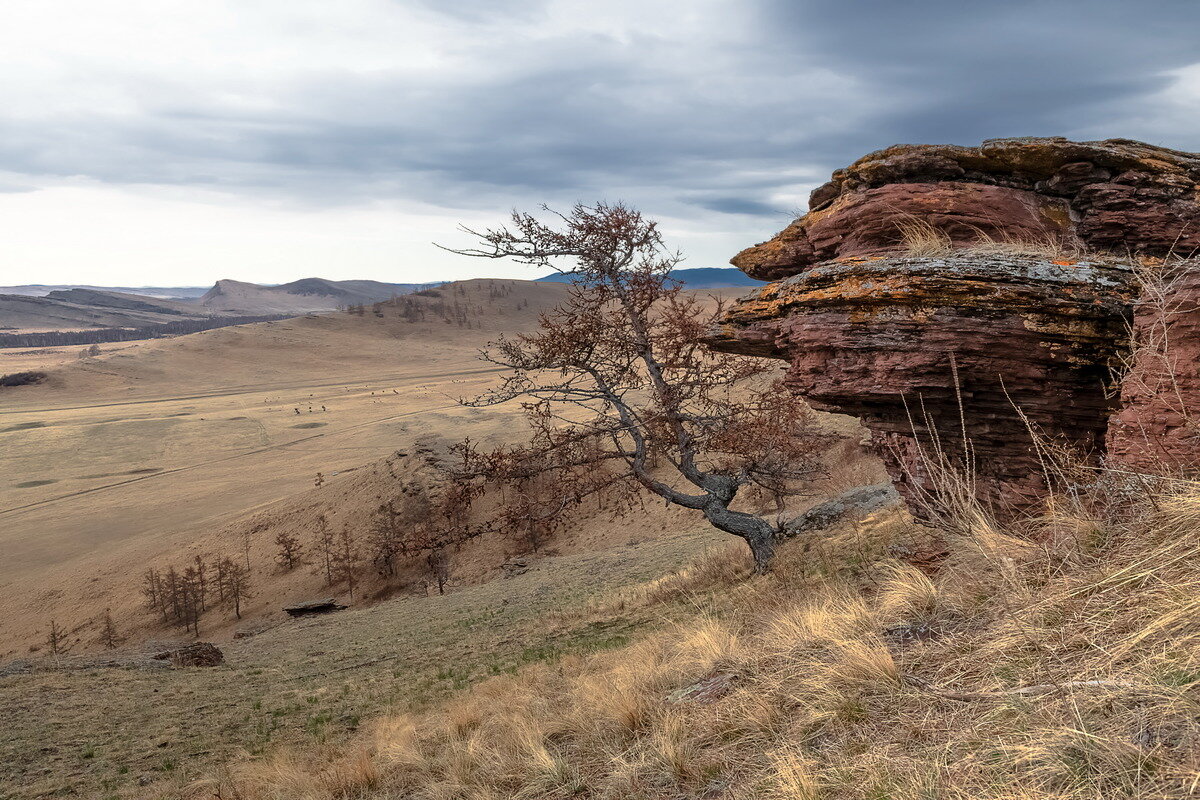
(989, 341)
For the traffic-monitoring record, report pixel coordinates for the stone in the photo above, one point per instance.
(916, 347)
(1157, 428)
(1113, 195)
(310, 607)
(709, 689)
(195, 654)
(856, 502)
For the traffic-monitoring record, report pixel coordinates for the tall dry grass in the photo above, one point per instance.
(920, 238)
(1058, 659)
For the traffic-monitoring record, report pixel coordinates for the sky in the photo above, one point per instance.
(170, 143)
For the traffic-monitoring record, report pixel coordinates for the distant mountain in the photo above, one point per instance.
(87, 308)
(307, 294)
(695, 278)
(164, 292)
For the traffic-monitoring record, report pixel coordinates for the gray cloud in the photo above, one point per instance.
(723, 108)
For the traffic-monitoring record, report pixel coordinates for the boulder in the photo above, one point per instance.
(195, 654)
(310, 607)
(1114, 195)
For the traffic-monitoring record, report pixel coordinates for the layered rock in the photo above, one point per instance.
(955, 357)
(1114, 195)
(918, 348)
(1158, 426)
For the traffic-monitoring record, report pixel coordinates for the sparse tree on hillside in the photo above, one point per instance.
(108, 631)
(289, 551)
(385, 539)
(324, 545)
(56, 639)
(237, 585)
(622, 358)
(346, 560)
(154, 592)
(438, 562)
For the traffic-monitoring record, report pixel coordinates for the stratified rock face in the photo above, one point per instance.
(920, 346)
(1158, 426)
(1115, 195)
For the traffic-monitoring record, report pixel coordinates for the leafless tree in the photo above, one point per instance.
(237, 585)
(289, 552)
(385, 538)
(324, 546)
(108, 631)
(346, 559)
(622, 359)
(56, 639)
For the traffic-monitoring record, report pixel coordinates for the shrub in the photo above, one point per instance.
(22, 378)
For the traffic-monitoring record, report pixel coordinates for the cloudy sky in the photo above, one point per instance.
(161, 142)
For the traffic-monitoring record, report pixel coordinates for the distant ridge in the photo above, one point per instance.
(306, 294)
(42, 308)
(695, 278)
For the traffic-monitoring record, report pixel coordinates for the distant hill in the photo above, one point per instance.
(163, 292)
(307, 294)
(696, 278)
(45, 308)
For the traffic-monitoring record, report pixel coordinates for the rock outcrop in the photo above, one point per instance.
(1158, 426)
(1114, 195)
(957, 355)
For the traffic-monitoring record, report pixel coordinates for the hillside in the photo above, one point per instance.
(308, 294)
(1056, 660)
(28, 309)
(152, 446)
(81, 309)
(163, 292)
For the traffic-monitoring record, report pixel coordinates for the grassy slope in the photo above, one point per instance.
(97, 733)
(1065, 668)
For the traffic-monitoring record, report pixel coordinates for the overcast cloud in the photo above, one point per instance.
(171, 143)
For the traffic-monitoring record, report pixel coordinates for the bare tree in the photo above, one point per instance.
(108, 631)
(385, 538)
(237, 585)
(154, 592)
(622, 359)
(289, 551)
(56, 639)
(324, 545)
(438, 562)
(346, 560)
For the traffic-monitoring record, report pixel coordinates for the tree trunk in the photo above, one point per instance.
(757, 532)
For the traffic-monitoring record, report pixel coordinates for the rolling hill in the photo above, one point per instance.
(39, 308)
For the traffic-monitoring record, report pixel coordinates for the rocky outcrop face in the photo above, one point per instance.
(1114, 195)
(953, 344)
(1158, 426)
(918, 348)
